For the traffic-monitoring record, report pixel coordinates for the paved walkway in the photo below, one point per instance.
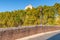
(52, 35)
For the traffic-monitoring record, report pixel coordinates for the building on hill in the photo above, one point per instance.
(28, 6)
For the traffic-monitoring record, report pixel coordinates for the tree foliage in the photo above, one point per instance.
(32, 16)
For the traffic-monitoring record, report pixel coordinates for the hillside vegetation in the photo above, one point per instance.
(50, 15)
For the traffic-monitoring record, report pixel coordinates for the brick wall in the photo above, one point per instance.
(17, 32)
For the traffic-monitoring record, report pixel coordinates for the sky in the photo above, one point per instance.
(10, 5)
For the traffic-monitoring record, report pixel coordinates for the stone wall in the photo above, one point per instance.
(18, 32)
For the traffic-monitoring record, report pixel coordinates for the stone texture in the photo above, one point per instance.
(15, 33)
